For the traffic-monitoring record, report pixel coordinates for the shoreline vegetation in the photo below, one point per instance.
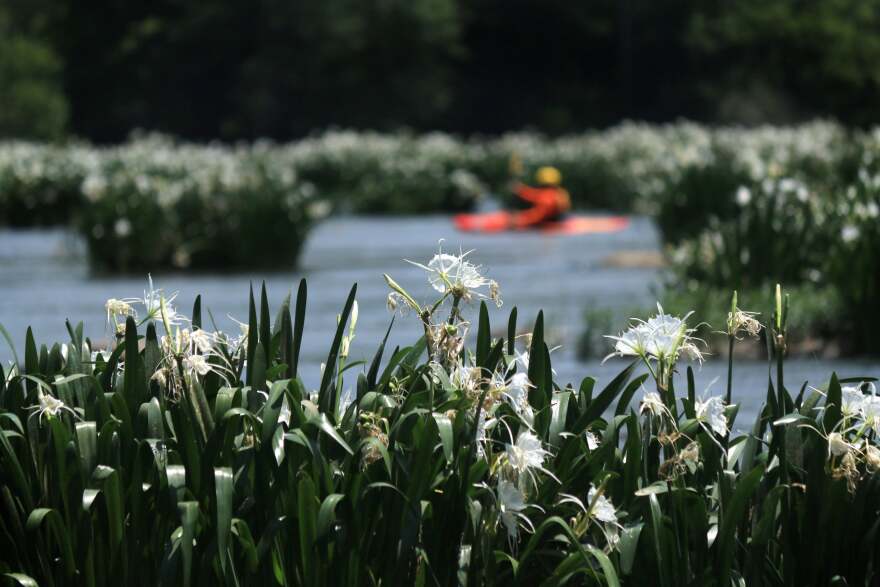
(736, 207)
(185, 455)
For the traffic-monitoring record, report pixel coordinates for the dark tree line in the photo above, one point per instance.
(283, 68)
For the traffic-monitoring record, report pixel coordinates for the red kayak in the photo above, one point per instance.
(500, 222)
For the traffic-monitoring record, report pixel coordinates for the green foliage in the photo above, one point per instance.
(32, 104)
(161, 461)
(753, 44)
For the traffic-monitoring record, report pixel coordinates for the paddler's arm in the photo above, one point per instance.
(527, 193)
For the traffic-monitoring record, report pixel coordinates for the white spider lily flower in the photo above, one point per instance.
(601, 507)
(155, 299)
(511, 503)
(197, 364)
(852, 399)
(667, 334)
(452, 273)
(653, 404)
(526, 454)
(632, 343)
(837, 445)
(711, 411)
(870, 410)
(49, 406)
(344, 403)
(522, 358)
(592, 440)
(203, 340)
(516, 392)
(484, 425)
(663, 337)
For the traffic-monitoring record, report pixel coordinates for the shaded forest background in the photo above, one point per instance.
(271, 68)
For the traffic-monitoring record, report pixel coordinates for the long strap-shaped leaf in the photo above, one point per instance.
(328, 395)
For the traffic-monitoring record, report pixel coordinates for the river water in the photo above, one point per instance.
(44, 279)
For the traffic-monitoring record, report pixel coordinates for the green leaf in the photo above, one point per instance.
(307, 508)
(54, 524)
(224, 494)
(328, 396)
(483, 336)
(322, 423)
(299, 324)
(657, 535)
(253, 336)
(628, 545)
(189, 515)
(444, 429)
(272, 409)
(733, 514)
(327, 515)
(373, 372)
(20, 578)
(196, 318)
(9, 342)
(605, 398)
(833, 404)
(511, 332)
(607, 568)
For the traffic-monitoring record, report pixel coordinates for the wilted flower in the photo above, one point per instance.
(872, 456)
(837, 445)
(116, 308)
(392, 301)
(160, 377)
(495, 293)
(742, 323)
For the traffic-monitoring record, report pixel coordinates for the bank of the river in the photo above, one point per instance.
(44, 278)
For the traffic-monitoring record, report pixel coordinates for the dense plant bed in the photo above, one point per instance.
(186, 456)
(156, 204)
(628, 167)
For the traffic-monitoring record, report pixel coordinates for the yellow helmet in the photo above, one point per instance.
(548, 176)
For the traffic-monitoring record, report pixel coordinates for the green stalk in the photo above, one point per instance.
(729, 394)
(731, 335)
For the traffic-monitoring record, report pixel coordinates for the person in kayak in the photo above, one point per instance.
(549, 201)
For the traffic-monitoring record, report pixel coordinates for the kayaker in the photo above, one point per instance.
(549, 201)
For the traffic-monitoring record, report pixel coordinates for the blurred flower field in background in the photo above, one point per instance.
(736, 207)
